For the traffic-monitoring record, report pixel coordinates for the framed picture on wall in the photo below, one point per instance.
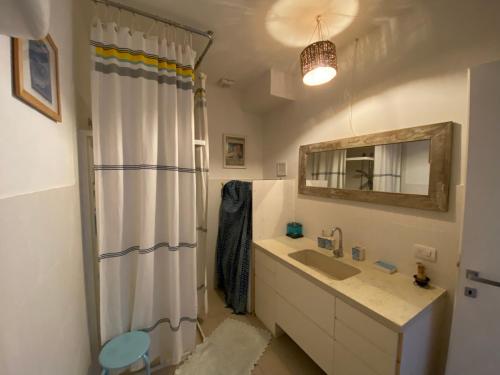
(234, 147)
(36, 75)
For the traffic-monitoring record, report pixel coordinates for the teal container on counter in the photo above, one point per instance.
(294, 230)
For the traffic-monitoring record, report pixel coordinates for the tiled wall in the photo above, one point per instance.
(273, 207)
(43, 316)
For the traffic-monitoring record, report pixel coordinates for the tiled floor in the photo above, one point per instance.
(282, 356)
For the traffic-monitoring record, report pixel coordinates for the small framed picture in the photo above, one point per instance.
(36, 75)
(234, 151)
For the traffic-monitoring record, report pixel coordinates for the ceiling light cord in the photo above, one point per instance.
(318, 26)
(353, 84)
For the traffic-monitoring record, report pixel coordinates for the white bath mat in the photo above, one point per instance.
(232, 349)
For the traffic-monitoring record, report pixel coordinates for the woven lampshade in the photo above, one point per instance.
(318, 62)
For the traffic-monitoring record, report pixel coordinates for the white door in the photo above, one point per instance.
(475, 339)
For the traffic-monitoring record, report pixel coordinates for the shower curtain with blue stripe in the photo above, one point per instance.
(143, 127)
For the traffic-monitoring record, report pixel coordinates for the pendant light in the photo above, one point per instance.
(318, 61)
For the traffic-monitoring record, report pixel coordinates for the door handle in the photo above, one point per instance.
(474, 276)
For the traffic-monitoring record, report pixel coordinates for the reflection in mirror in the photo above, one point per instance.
(326, 169)
(394, 168)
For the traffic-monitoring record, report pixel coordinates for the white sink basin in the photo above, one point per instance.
(324, 264)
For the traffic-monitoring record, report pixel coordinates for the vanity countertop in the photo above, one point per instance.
(392, 299)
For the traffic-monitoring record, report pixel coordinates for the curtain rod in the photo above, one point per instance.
(206, 34)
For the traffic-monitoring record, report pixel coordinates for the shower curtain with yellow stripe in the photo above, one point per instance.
(143, 127)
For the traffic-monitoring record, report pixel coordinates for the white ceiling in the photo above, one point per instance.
(253, 35)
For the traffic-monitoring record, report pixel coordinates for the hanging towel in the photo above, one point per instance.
(233, 244)
(329, 166)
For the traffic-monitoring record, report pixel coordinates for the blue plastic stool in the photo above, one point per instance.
(124, 350)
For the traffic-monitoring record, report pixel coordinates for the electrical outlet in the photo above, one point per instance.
(425, 253)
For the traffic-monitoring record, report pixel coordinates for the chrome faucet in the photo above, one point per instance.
(339, 252)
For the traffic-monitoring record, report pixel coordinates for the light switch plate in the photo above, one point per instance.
(425, 253)
(281, 170)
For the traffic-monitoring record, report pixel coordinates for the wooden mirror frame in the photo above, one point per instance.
(440, 136)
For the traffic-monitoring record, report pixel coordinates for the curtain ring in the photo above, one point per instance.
(106, 11)
(95, 11)
(161, 33)
(150, 29)
(132, 24)
(118, 22)
(113, 20)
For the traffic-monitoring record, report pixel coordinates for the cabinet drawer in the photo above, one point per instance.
(373, 357)
(377, 334)
(265, 267)
(346, 363)
(314, 341)
(317, 304)
(265, 299)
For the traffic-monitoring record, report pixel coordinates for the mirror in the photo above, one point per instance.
(408, 167)
(393, 168)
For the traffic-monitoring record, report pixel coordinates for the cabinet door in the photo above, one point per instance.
(366, 352)
(370, 330)
(346, 363)
(311, 338)
(314, 302)
(265, 304)
(265, 267)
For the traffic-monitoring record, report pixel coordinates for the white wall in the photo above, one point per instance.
(42, 319)
(225, 115)
(410, 71)
(272, 208)
(36, 154)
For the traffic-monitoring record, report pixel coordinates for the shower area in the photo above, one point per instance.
(144, 166)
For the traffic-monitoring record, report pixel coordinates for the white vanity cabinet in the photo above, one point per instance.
(338, 335)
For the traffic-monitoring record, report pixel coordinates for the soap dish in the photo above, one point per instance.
(422, 283)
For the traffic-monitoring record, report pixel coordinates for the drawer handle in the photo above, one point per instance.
(474, 276)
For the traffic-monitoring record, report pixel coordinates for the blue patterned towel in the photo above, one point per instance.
(233, 244)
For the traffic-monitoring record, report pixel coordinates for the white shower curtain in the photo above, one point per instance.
(202, 162)
(143, 127)
(387, 168)
(330, 166)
